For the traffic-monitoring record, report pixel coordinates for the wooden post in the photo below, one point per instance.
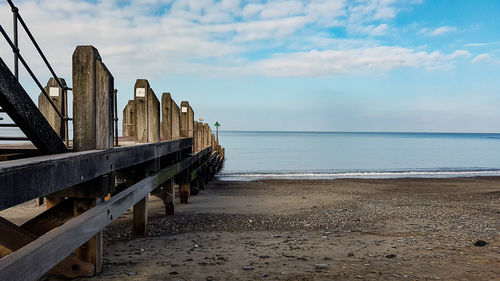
(58, 97)
(184, 181)
(115, 115)
(147, 110)
(196, 137)
(147, 124)
(93, 87)
(200, 136)
(140, 217)
(166, 116)
(167, 194)
(175, 120)
(92, 250)
(206, 135)
(128, 123)
(186, 121)
(212, 142)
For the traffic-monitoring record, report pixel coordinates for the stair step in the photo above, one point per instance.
(13, 138)
(7, 125)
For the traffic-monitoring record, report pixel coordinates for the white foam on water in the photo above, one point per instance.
(360, 175)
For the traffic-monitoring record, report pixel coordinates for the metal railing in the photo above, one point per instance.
(14, 44)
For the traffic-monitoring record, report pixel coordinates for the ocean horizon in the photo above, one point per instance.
(253, 155)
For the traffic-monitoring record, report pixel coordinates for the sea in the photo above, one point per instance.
(253, 155)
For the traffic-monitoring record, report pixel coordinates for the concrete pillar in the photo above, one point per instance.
(58, 96)
(166, 116)
(93, 87)
(128, 124)
(147, 112)
(176, 133)
(186, 120)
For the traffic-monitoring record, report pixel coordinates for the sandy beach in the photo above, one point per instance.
(388, 229)
(348, 229)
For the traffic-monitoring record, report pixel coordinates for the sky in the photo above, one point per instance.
(315, 65)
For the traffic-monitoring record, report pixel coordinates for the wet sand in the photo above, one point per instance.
(395, 229)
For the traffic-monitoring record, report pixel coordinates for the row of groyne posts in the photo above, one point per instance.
(163, 152)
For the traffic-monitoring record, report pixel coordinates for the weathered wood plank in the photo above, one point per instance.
(13, 238)
(26, 179)
(51, 218)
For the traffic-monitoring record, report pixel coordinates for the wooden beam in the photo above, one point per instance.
(13, 238)
(167, 194)
(26, 179)
(51, 248)
(51, 218)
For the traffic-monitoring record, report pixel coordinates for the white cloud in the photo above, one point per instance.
(216, 37)
(362, 60)
(481, 58)
(437, 31)
(373, 30)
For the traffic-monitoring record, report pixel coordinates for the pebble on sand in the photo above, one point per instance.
(480, 243)
(321, 266)
(248, 267)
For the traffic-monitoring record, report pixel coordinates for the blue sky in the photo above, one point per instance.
(360, 65)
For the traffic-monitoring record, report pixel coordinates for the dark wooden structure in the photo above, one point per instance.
(91, 184)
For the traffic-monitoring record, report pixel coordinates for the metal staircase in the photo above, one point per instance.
(16, 103)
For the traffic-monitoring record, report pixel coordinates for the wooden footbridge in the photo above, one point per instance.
(89, 180)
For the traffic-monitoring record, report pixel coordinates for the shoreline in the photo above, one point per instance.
(356, 175)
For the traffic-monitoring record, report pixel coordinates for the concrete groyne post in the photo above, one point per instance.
(93, 87)
(147, 112)
(58, 96)
(128, 120)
